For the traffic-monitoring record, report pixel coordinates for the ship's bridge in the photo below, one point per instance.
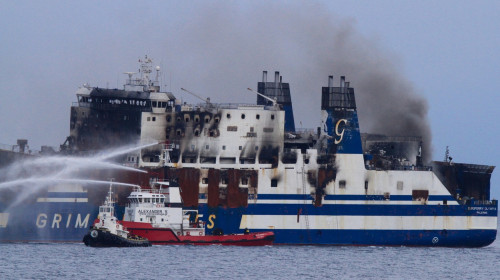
(151, 197)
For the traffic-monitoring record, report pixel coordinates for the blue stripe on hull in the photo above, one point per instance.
(67, 195)
(369, 210)
(447, 238)
(351, 197)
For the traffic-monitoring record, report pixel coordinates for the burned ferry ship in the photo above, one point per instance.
(245, 166)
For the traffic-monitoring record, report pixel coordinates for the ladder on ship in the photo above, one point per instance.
(304, 193)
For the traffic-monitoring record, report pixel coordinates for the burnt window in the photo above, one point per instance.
(204, 180)
(342, 184)
(154, 119)
(274, 183)
(242, 116)
(420, 195)
(272, 116)
(244, 180)
(223, 180)
(257, 116)
(186, 119)
(216, 120)
(207, 119)
(228, 115)
(178, 132)
(196, 119)
(196, 132)
(224, 147)
(366, 185)
(169, 118)
(387, 196)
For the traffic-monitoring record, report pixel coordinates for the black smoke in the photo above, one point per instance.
(226, 47)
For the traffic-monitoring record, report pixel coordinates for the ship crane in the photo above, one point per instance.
(207, 100)
(266, 97)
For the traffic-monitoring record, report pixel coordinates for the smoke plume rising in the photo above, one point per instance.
(225, 48)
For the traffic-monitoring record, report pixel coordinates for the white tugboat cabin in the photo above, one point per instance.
(161, 206)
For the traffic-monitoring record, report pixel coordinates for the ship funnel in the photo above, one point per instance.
(279, 92)
(340, 117)
(22, 143)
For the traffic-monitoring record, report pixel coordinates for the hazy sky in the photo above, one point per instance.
(434, 64)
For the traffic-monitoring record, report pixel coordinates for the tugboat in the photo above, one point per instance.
(108, 232)
(157, 214)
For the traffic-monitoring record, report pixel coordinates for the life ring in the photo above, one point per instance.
(94, 233)
(188, 233)
(200, 233)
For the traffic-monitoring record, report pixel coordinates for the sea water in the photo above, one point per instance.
(76, 261)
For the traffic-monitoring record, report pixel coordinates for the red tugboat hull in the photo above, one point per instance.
(166, 236)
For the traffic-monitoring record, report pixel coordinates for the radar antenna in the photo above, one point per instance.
(130, 74)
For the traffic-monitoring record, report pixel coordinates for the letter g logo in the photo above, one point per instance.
(341, 134)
